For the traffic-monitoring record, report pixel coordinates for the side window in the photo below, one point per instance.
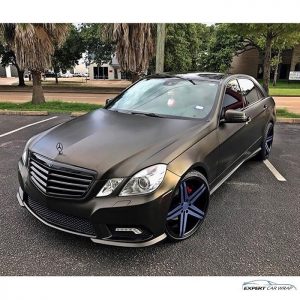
(233, 98)
(249, 91)
(259, 93)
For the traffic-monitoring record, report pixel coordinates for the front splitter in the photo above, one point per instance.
(93, 238)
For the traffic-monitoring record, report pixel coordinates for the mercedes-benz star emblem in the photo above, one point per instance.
(59, 147)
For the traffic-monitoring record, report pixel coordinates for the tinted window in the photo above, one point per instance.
(259, 93)
(168, 97)
(233, 98)
(249, 91)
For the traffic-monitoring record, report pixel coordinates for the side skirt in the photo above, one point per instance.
(232, 171)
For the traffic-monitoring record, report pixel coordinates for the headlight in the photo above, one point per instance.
(109, 187)
(145, 181)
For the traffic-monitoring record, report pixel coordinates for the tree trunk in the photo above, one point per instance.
(56, 78)
(134, 77)
(276, 68)
(20, 72)
(267, 64)
(37, 91)
(21, 76)
(160, 47)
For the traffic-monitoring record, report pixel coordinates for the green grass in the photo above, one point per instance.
(67, 107)
(283, 88)
(284, 92)
(51, 106)
(283, 113)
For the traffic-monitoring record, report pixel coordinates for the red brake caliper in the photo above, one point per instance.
(189, 190)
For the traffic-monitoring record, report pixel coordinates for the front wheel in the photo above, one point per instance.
(267, 142)
(188, 207)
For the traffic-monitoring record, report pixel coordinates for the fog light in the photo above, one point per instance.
(134, 230)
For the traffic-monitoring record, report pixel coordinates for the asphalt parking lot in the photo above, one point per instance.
(252, 227)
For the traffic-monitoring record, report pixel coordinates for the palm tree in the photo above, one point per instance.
(134, 46)
(34, 45)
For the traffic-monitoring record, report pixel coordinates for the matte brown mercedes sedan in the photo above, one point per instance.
(143, 168)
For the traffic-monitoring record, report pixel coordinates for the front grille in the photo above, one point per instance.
(57, 179)
(60, 219)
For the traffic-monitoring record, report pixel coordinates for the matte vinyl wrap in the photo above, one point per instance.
(119, 144)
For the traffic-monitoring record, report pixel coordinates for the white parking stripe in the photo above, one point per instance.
(32, 124)
(278, 176)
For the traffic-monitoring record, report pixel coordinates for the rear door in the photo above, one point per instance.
(255, 108)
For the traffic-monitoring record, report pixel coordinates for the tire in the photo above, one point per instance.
(267, 142)
(188, 207)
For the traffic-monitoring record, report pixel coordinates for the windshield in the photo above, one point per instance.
(174, 97)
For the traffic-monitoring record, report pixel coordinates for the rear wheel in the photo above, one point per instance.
(188, 207)
(266, 142)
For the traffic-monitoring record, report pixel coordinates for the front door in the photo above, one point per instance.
(232, 140)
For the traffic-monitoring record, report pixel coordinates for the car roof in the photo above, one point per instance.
(208, 76)
(193, 76)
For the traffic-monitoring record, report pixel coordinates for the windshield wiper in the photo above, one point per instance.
(146, 114)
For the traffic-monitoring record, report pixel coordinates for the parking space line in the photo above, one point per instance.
(29, 125)
(273, 170)
(242, 183)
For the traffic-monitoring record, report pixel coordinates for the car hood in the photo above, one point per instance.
(117, 144)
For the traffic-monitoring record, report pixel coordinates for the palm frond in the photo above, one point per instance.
(34, 43)
(134, 45)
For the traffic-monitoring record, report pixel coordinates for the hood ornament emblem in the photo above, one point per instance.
(59, 148)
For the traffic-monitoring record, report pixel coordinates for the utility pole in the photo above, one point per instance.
(160, 47)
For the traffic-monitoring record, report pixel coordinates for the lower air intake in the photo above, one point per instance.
(60, 219)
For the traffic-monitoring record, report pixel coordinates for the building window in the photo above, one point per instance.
(116, 73)
(100, 72)
(284, 70)
(260, 71)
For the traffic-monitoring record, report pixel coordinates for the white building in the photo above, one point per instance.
(109, 71)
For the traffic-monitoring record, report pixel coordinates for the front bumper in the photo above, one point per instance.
(105, 215)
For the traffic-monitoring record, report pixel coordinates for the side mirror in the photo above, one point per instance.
(235, 116)
(107, 101)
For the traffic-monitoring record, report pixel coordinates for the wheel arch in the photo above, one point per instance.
(200, 167)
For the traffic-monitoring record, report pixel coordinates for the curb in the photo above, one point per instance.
(48, 90)
(78, 113)
(286, 96)
(37, 113)
(288, 120)
(23, 112)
